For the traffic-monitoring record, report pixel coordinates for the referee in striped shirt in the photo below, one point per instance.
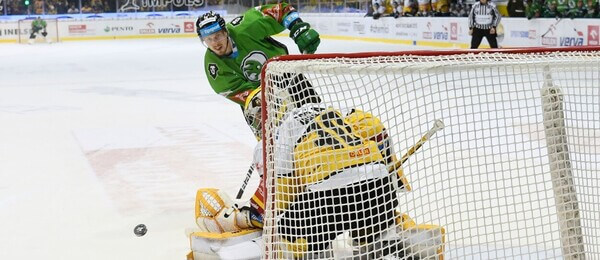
(483, 19)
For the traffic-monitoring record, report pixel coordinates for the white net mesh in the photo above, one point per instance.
(521, 141)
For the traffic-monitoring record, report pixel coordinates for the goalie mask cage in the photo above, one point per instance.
(24, 27)
(514, 174)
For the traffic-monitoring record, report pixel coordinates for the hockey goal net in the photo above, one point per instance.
(51, 30)
(506, 162)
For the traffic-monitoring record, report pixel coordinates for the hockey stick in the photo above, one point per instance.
(552, 26)
(437, 125)
(248, 176)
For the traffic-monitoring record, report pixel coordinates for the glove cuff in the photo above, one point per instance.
(297, 29)
(242, 219)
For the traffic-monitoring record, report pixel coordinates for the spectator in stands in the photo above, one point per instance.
(398, 6)
(466, 8)
(97, 6)
(73, 9)
(550, 11)
(562, 7)
(38, 7)
(433, 5)
(424, 8)
(483, 20)
(86, 9)
(411, 7)
(516, 8)
(534, 9)
(108, 7)
(592, 9)
(62, 6)
(50, 9)
(454, 9)
(18, 8)
(578, 11)
(442, 8)
(379, 8)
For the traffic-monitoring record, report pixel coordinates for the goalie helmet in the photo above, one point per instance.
(253, 112)
(279, 102)
(209, 23)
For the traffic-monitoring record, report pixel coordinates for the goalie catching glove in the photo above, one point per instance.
(305, 37)
(225, 230)
(216, 213)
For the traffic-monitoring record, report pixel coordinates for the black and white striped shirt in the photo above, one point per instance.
(484, 16)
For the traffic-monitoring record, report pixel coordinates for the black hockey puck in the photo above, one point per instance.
(140, 230)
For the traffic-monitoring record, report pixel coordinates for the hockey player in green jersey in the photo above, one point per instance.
(237, 50)
(36, 26)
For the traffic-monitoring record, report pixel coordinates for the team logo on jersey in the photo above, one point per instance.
(252, 65)
(236, 21)
(213, 70)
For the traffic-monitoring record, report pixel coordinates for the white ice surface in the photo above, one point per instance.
(99, 136)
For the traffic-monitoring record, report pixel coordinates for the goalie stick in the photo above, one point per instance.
(437, 125)
(245, 183)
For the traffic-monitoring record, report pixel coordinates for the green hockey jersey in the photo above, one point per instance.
(38, 24)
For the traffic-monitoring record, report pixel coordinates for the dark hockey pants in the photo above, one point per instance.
(478, 35)
(34, 31)
(364, 208)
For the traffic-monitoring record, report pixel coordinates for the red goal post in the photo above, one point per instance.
(24, 26)
(513, 174)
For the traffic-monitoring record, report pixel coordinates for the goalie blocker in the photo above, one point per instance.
(353, 194)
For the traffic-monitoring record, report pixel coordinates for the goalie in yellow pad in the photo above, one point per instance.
(333, 179)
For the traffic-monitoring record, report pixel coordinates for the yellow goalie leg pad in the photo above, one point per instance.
(206, 245)
(426, 241)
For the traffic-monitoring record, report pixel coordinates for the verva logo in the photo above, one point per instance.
(571, 41)
(188, 27)
(170, 30)
(77, 28)
(453, 31)
(593, 35)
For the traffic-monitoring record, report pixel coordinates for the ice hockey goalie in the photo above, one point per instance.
(335, 196)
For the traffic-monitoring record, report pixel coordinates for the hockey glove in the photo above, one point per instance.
(216, 213)
(305, 37)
